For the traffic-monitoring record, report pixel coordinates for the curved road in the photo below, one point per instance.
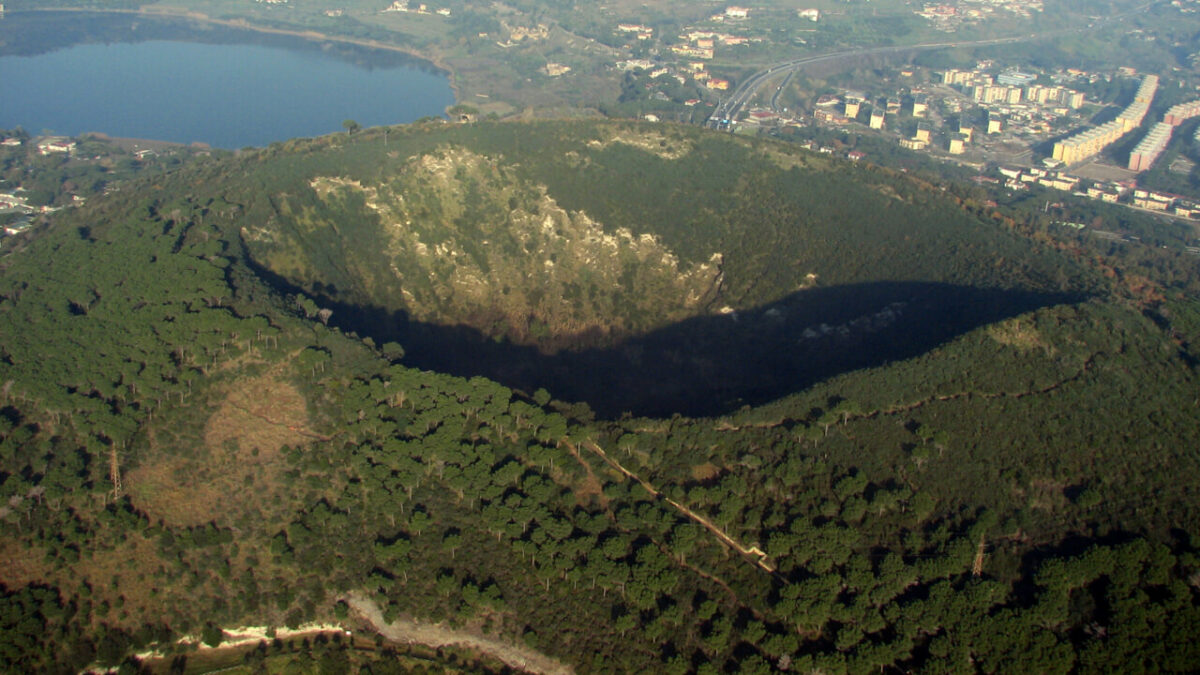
(730, 107)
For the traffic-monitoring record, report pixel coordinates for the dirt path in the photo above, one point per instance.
(434, 635)
(757, 554)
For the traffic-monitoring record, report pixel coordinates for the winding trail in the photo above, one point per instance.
(409, 631)
(757, 554)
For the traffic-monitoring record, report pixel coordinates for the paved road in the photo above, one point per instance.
(779, 90)
(729, 108)
(749, 87)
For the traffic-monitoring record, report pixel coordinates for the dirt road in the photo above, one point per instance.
(434, 635)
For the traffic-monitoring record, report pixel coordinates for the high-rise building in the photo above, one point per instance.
(1184, 111)
(1150, 147)
(1016, 78)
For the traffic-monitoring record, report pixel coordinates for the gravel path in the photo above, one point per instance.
(434, 635)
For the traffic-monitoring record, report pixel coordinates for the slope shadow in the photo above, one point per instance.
(713, 365)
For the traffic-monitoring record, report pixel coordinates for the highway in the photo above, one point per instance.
(729, 108)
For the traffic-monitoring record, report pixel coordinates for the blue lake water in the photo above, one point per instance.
(226, 95)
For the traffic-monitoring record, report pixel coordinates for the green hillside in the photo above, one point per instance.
(579, 257)
(394, 369)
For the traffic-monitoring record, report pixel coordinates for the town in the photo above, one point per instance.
(1055, 128)
(40, 175)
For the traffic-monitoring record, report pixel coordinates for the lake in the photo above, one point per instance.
(182, 81)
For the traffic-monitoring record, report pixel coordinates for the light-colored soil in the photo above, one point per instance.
(409, 631)
(705, 471)
(20, 566)
(262, 414)
(1025, 338)
(241, 451)
(1099, 170)
(590, 487)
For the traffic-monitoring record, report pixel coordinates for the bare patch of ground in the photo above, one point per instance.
(654, 142)
(20, 566)
(705, 471)
(1047, 495)
(260, 417)
(241, 451)
(118, 578)
(789, 158)
(1024, 338)
(1097, 170)
(1182, 165)
(410, 631)
(590, 486)
(136, 144)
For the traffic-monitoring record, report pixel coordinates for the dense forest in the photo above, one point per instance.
(928, 434)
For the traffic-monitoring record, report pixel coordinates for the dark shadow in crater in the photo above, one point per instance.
(713, 365)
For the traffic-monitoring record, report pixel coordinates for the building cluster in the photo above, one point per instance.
(695, 70)
(842, 109)
(1021, 179)
(1013, 99)
(948, 16)
(640, 31)
(1149, 148)
(53, 145)
(710, 38)
(402, 6)
(1112, 192)
(693, 51)
(534, 33)
(1012, 87)
(1089, 143)
(10, 201)
(701, 44)
(732, 12)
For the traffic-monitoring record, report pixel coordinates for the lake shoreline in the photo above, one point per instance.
(310, 35)
(260, 85)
